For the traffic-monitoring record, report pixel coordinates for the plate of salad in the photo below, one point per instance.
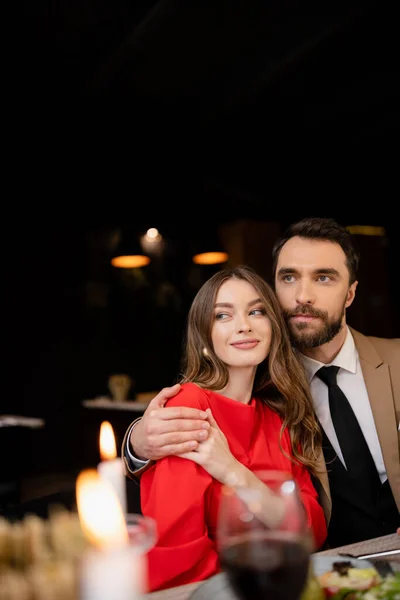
(332, 578)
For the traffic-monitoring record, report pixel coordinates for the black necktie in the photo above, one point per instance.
(356, 453)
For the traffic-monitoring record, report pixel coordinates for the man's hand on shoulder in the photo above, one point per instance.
(168, 430)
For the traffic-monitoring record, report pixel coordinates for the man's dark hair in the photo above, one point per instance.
(318, 228)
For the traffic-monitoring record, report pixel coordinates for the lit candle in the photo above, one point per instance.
(111, 467)
(112, 568)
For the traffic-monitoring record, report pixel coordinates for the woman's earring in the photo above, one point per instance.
(205, 352)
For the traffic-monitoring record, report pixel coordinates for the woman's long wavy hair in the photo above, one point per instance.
(280, 379)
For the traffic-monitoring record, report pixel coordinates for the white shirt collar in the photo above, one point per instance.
(345, 359)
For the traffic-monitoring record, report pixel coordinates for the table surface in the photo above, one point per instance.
(386, 542)
(109, 404)
(21, 421)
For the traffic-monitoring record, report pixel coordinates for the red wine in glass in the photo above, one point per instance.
(264, 567)
(263, 538)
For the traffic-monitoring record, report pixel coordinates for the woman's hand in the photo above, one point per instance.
(216, 458)
(214, 454)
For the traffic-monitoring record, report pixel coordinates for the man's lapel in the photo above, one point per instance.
(323, 487)
(377, 380)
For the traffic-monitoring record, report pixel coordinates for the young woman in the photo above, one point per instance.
(239, 367)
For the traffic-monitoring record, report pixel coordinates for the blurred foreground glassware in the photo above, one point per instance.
(263, 539)
(142, 531)
(142, 534)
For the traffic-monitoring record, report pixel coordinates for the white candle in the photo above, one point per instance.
(116, 574)
(113, 472)
(111, 467)
(112, 569)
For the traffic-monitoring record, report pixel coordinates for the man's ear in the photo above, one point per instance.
(351, 294)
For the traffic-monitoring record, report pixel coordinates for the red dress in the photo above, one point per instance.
(183, 498)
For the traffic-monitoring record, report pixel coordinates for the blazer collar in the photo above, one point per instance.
(366, 350)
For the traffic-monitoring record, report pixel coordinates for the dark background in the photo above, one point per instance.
(116, 105)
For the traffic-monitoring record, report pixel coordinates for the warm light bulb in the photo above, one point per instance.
(152, 236)
(152, 232)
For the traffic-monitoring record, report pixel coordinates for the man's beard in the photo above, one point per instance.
(301, 338)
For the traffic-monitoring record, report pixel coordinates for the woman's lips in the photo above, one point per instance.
(245, 344)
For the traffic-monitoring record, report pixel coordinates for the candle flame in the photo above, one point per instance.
(108, 449)
(100, 513)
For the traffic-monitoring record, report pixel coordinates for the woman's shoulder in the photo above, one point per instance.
(190, 395)
(269, 412)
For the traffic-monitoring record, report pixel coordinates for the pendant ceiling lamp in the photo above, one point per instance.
(128, 253)
(209, 250)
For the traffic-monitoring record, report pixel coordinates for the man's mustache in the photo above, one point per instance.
(307, 311)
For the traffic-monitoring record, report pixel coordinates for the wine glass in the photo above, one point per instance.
(262, 538)
(142, 531)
